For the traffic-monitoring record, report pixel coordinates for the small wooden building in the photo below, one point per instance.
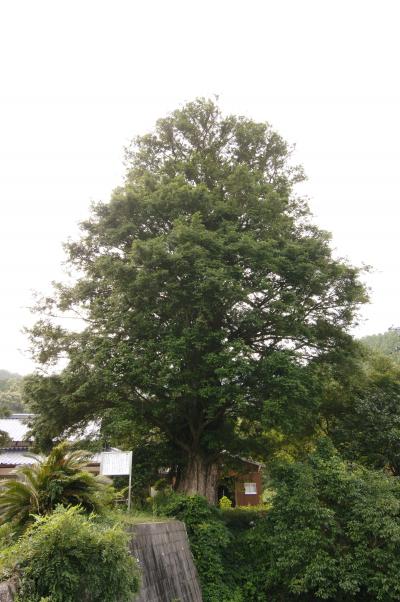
(248, 484)
(243, 486)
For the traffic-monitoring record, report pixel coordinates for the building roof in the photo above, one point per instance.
(11, 457)
(17, 429)
(16, 426)
(19, 457)
(251, 461)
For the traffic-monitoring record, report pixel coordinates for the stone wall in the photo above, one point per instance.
(7, 590)
(167, 570)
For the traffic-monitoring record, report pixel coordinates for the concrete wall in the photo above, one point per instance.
(166, 563)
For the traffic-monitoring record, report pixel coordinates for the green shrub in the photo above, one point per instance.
(225, 503)
(7, 534)
(242, 517)
(333, 534)
(208, 537)
(67, 556)
(59, 478)
(192, 509)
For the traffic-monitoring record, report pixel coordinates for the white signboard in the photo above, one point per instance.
(116, 463)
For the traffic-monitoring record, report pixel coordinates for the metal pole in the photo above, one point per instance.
(130, 481)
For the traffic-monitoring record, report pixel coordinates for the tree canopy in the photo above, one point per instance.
(210, 299)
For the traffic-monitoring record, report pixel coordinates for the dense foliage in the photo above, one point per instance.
(208, 295)
(10, 399)
(365, 424)
(67, 556)
(209, 538)
(332, 533)
(60, 478)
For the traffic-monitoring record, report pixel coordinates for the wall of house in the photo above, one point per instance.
(93, 468)
(243, 499)
(6, 471)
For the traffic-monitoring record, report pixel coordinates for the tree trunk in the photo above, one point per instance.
(200, 477)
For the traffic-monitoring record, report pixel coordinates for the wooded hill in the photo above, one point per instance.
(387, 343)
(10, 393)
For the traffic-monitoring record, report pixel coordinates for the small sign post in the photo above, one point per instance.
(130, 481)
(117, 463)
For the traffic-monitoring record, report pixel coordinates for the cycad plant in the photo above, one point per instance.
(59, 478)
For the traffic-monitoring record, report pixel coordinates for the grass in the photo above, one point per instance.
(134, 517)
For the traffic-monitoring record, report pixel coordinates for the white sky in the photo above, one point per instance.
(80, 78)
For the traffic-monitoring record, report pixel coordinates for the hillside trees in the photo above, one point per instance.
(10, 393)
(210, 298)
(365, 422)
(387, 343)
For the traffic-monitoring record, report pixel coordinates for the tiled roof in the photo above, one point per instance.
(15, 426)
(10, 457)
(19, 457)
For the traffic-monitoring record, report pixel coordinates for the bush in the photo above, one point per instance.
(333, 534)
(208, 536)
(242, 517)
(219, 542)
(225, 503)
(67, 556)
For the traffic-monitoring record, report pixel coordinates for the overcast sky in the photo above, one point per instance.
(78, 79)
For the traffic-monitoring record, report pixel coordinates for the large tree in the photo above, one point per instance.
(208, 296)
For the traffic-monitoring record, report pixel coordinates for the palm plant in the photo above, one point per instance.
(59, 478)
